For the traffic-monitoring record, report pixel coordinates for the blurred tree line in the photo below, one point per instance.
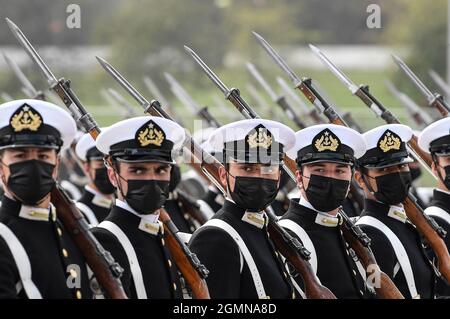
(147, 36)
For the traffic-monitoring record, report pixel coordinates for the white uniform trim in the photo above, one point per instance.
(435, 211)
(303, 236)
(88, 213)
(399, 250)
(135, 268)
(244, 251)
(22, 262)
(205, 209)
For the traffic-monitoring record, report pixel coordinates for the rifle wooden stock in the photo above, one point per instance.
(106, 271)
(417, 217)
(179, 253)
(386, 289)
(439, 105)
(313, 288)
(191, 207)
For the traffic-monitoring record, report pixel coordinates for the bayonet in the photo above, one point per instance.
(304, 85)
(187, 100)
(61, 87)
(420, 117)
(363, 93)
(440, 82)
(6, 97)
(278, 99)
(235, 98)
(27, 86)
(436, 100)
(122, 101)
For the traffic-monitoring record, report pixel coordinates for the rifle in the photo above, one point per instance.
(27, 88)
(288, 245)
(313, 114)
(435, 100)
(440, 82)
(432, 232)
(187, 262)
(421, 118)
(188, 101)
(260, 101)
(352, 232)
(120, 100)
(278, 99)
(105, 269)
(6, 97)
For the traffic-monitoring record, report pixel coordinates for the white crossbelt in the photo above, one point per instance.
(135, 268)
(22, 262)
(399, 250)
(435, 211)
(245, 252)
(88, 213)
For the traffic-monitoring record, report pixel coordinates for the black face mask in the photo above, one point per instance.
(325, 193)
(254, 193)
(146, 196)
(175, 177)
(30, 181)
(415, 173)
(392, 188)
(101, 181)
(446, 178)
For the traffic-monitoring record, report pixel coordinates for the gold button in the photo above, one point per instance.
(59, 231)
(186, 216)
(65, 253)
(73, 273)
(180, 204)
(169, 262)
(78, 294)
(174, 286)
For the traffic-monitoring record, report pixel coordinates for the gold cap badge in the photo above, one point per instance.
(26, 118)
(260, 138)
(326, 141)
(150, 134)
(389, 141)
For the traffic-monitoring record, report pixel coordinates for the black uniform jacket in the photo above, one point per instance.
(336, 267)
(412, 242)
(221, 255)
(159, 272)
(52, 254)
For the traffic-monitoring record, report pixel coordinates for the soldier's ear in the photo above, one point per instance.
(298, 175)
(359, 179)
(223, 175)
(112, 176)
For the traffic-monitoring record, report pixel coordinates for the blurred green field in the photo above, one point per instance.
(88, 88)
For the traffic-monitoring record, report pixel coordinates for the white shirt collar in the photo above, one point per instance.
(398, 213)
(38, 213)
(442, 191)
(151, 218)
(99, 198)
(256, 219)
(149, 223)
(322, 218)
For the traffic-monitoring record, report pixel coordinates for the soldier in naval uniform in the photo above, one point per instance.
(139, 151)
(435, 139)
(97, 197)
(38, 258)
(325, 155)
(234, 244)
(385, 178)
